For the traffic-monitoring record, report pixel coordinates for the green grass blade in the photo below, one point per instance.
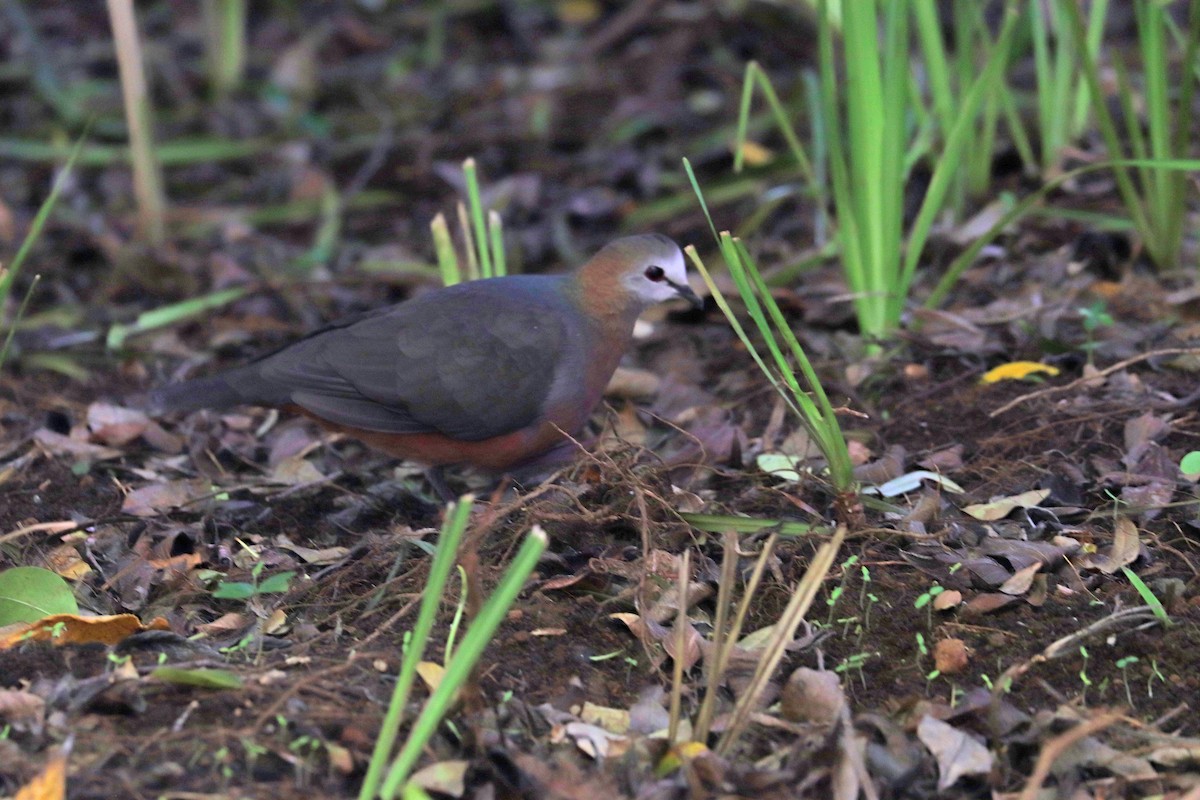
(967, 257)
(1108, 130)
(447, 259)
(225, 44)
(950, 162)
(1147, 595)
(174, 153)
(172, 314)
(478, 219)
(12, 328)
(456, 519)
(460, 666)
(39, 220)
(1095, 35)
(755, 76)
(723, 304)
(496, 243)
(687, 167)
(937, 68)
(719, 523)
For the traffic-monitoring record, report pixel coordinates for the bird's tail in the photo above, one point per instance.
(216, 393)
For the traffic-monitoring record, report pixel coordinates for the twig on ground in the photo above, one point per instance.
(1057, 746)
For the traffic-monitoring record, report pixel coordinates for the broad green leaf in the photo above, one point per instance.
(204, 678)
(29, 593)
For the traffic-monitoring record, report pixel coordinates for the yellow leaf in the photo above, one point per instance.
(1017, 371)
(755, 155)
(613, 720)
(432, 673)
(50, 784)
(65, 560)
(578, 12)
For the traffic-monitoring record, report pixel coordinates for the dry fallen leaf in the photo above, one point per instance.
(957, 753)
(613, 720)
(159, 498)
(65, 561)
(57, 444)
(72, 629)
(51, 782)
(17, 706)
(1003, 506)
(1021, 580)
(115, 425)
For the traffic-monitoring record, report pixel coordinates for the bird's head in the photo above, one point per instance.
(636, 272)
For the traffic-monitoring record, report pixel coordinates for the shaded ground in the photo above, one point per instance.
(355, 108)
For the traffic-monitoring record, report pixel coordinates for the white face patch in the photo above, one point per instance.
(665, 255)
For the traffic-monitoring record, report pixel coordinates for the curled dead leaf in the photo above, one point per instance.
(73, 629)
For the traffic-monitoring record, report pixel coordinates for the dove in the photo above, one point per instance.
(499, 374)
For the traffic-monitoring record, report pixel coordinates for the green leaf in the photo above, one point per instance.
(276, 583)
(235, 590)
(171, 314)
(1147, 595)
(1190, 465)
(204, 678)
(29, 593)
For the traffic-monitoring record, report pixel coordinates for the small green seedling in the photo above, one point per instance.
(239, 590)
(866, 582)
(831, 601)
(855, 662)
(926, 598)
(872, 599)
(1123, 664)
(1154, 673)
(1083, 676)
(1094, 317)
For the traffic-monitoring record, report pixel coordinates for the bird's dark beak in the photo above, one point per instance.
(685, 291)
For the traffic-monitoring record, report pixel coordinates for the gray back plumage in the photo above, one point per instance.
(472, 361)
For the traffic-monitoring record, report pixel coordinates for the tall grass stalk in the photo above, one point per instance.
(9, 274)
(1154, 195)
(147, 173)
(683, 626)
(225, 44)
(16, 320)
(479, 220)
(811, 168)
(443, 247)
(1063, 95)
(453, 526)
(867, 152)
(949, 76)
(727, 629)
(459, 668)
(39, 221)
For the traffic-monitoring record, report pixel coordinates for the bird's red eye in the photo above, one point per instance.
(655, 273)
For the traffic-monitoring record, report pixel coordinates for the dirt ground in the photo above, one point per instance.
(1048, 630)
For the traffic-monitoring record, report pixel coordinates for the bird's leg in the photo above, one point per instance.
(437, 480)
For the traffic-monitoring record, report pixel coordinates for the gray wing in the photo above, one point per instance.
(473, 361)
